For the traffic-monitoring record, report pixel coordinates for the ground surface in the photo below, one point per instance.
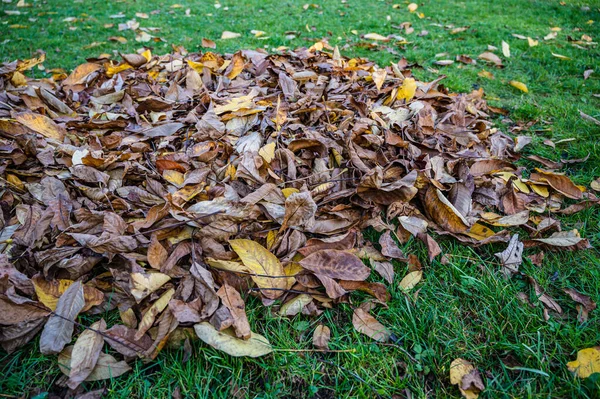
(464, 308)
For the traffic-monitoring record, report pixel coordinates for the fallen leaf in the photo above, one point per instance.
(263, 264)
(107, 367)
(366, 324)
(59, 328)
(468, 379)
(86, 353)
(587, 362)
(519, 85)
(512, 257)
(505, 49)
(336, 264)
(229, 35)
(411, 280)
(321, 337)
(256, 346)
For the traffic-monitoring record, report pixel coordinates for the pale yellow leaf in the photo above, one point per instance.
(411, 280)
(256, 346)
(519, 85)
(587, 362)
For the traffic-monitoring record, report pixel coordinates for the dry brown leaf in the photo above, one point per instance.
(366, 324)
(336, 264)
(234, 302)
(86, 353)
(321, 337)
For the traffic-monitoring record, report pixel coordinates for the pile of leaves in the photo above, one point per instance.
(169, 188)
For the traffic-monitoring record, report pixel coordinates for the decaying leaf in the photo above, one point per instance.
(263, 264)
(468, 379)
(86, 353)
(336, 264)
(411, 280)
(366, 324)
(321, 337)
(106, 367)
(59, 328)
(224, 341)
(512, 257)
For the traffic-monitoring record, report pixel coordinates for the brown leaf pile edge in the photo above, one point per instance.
(170, 187)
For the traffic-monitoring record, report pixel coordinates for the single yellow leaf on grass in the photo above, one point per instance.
(376, 36)
(229, 35)
(486, 74)
(519, 85)
(532, 43)
(562, 57)
(411, 280)
(407, 90)
(505, 49)
(412, 7)
(595, 185)
(587, 362)
(262, 262)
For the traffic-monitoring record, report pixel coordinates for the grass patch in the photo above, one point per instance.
(463, 308)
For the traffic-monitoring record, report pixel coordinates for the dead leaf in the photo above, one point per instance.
(366, 324)
(256, 346)
(336, 264)
(321, 337)
(512, 257)
(411, 280)
(86, 353)
(587, 362)
(468, 379)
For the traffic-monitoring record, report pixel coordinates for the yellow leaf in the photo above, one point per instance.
(262, 262)
(153, 311)
(289, 191)
(267, 152)
(15, 181)
(540, 190)
(411, 280)
(196, 66)
(407, 90)
(112, 70)
(256, 346)
(174, 177)
(48, 292)
(562, 57)
(143, 284)
(379, 76)
(519, 85)
(41, 124)
(147, 54)
(18, 79)
(532, 43)
(459, 369)
(229, 35)
(412, 7)
(377, 36)
(237, 65)
(587, 363)
(505, 49)
(227, 265)
(479, 232)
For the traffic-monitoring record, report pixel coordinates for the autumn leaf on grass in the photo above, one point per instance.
(376, 36)
(300, 211)
(379, 76)
(321, 337)
(557, 181)
(587, 362)
(411, 280)
(512, 257)
(518, 85)
(491, 57)
(224, 341)
(366, 324)
(59, 328)
(295, 305)
(263, 263)
(86, 353)
(229, 35)
(336, 264)
(468, 379)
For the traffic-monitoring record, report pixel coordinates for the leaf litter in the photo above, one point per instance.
(174, 187)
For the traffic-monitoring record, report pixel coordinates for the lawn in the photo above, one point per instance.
(464, 307)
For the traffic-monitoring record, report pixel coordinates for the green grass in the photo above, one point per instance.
(464, 308)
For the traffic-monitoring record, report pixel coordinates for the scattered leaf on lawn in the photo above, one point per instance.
(106, 367)
(224, 341)
(587, 362)
(366, 324)
(321, 337)
(468, 379)
(411, 280)
(512, 257)
(518, 85)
